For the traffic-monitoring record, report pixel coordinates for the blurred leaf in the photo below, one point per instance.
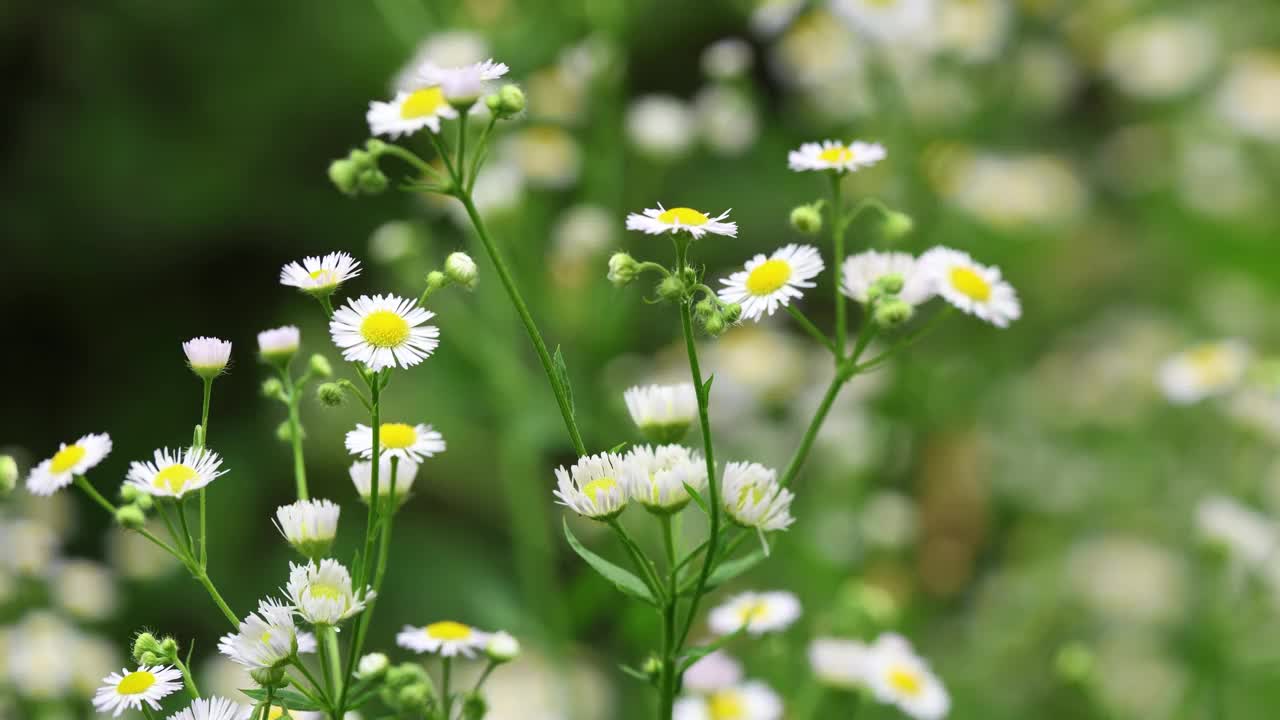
(628, 583)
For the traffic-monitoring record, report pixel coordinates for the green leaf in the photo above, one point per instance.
(637, 674)
(293, 699)
(726, 571)
(626, 582)
(697, 498)
(562, 374)
(618, 448)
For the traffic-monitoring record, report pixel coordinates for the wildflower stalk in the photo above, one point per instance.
(204, 439)
(837, 238)
(292, 399)
(667, 681)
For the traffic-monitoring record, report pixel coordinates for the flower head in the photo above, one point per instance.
(362, 478)
(839, 662)
(759, 613)
(446, 638)
(266, 639)
(127, 690)
(309, 525)
(715, 671)
(595, 486)
(409, 112)
(835, 155)
(71, 460)
(1203, 371)
(888, 21)
(861, 272)
(662, 412)
(752, 497)
(898, 677)
(656, 477)
(407, 442)
(681, 219)
(768, 283)
(463, 85)
(322, 594)
(279, 344)
(382, 332)
(749, 701)
(213, 708)
(176, 473)
(320, 276)
(975, 289)
(502, 647)
(207, 356)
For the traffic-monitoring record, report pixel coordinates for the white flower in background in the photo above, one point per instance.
(594, 487)
(71, 460)
(279, 342)
(727, 58)
(38, 646)
(1047, 75)
(500, 187)
(1011, 191)
(31, 547)
(656, 477)
(393, 241)
(407, 442)
(266, 639)
(1128, 579)
(362, 478)
(1218, 177)
(749, 701)
(752, 497)
(759, 613)
(127, 690)
(383, 331)
(84, 589)
(770, 17)
(715, 671)
(463, 84)
(861, 271)
(320, 275)
(888, 519)
(768, 283)
(1240, 529)
(548, 156)
(88, 655)
(1206, 370)
(409, 112)
(176, 473)
(446, 638)
(727, 119)
(309, 525)
(1249, 98)
(819, 56)
(975, 289)
(322, 594)
(840, 662)
(681, 219)
(900, 22)
(974, 30)
(662, 412)
(660, 126)
(898, 677)
(581, 231)
(1160, 57)
(372, 665)
(835, 155)
(207, 356)
(450, 48)
(213, 708)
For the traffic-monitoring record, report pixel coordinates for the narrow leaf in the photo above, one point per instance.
(618, 448)
(726, 571)
(626, 582)
(706, 386)
(697, 497)
(637, 674)
(291, 698)
(562, 374)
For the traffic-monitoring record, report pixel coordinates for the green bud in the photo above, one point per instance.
(705, 308)
(414, 698)
(731, 312)
(372, 181)
(144, 501)
(273, 389)
(342, 173)
(375, 146)
(268, 677)
(714, 325)
(8, 474)
(320, 366)
(892, 312)
(331, 394)
(652, 667)
(806, 219)
(372, 665)
(461, 269)
(406, 674)
(509, 102)
(889, 284)
(169, 647)
(130, 493)
(474, 707)
(622, 269)
(131, 517)
(436, 280)
(1074, 663)
(284, 433)
(151, 658)
(145, 643)
(672, 288)
(897, 225)
(502, 647)
(360, 160)
(877, 604)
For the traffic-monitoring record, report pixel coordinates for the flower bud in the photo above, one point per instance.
(622, 269)
(131, 517)
(502, 648)
(652, 667)
(806, 219)
(331, 394)
(714, 325)
(372, 665)
(474, 707)
(268, 677)
(150, 658)
(672, 288)
(888, 284)
(406, 674)
(731, 312)
(892, 312)
(375, 147)
(273, 389)
(284, 433)
(897, 225)
(320, 366)
(705, 308)
(461, 269)
(145, 643)
(507, 102)
(372, 181)
(436, 280)
(342, 173)
(169, 647)
(8, 474)
(414, 699)
(1074, 663)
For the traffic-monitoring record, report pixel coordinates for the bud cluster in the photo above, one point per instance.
(889, 309)
(715, 316)
(506, 103)
(358, 172)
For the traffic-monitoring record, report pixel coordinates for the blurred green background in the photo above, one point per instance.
(1016, 493)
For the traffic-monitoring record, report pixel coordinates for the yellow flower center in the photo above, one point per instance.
(768, 277)
(684, 216)
(324, 276)
(970, 284)
(751, 611)
(751, 491)
(447, 630)
(136, 683)
(1208, 361)
(839, 153)
(325, 591)
(905, 681)
(726, 705)
(384, 329)
(397, 436)
(595, 488)
(67, 458)
(266, 638)
(422, 103)
(174, 477)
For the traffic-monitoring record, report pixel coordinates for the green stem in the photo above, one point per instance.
(375, 415)
(811, 433)
(488, 670)
(203, 578)
(204, 441)
(187, 679)
(837, 235)
(479, 154)
(295, 433)
(462, 149)
(812, 329)
(446, 676)
(667, 680)
(315, 685)
(204, 412)
(333, 661)
(647, 571)
(181, 507)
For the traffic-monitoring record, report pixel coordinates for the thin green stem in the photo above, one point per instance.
(319, 689)
(333, 662)
(488, 670)
(810, 328)
(203, 578)
(461, 163)
(668, 541)
(293, 400)
(446, 695)
(444, 157)
(837, 235)
(204, 412)
(187, 679)
(204, 441)
(667, 680)
(414, 160)
(811, 432)
(327, 304)
(375, 415)
(181, 507)
(92, 492)
(647, 571)
(480, 152)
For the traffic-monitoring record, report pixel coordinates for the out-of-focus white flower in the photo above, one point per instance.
(1160, 57)
(975, 289)
(663, 413)
(548, 156)
(135, 557)
(864, 269)
(1203, 371)
(897, 22)
(770, 17)
(1047, 75)
(392, 241)
(38, 647)
(661, 126)
(582, 231)
(362, 477)
(727, 58)
(535, 689)
(759, 613)
(409, 112)
(29, 547)
(1241, 530)
(727, 118)
(839, 662)
(897, 676)
(320, 276)
(818, 53)
(1128, 579)
(71, 460)
(84, 589)
(1217, 177)
(888, 520)
(835, 155)
(461, 84)
(1010, 191)
(715, 671)
(499, 187)
(1249, 98)
(752, 700)
(89, 655)
(452, 48)
(1136, 677)
(974, 30)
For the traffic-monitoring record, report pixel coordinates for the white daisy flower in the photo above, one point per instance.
(976, 289)
(213, 708)
(267, 638)
(898, 677)
(839, 662)
(898, 21)
(681, 219)
(207, 356)
(382, 332)
(176, 473)
(502, 647)
(77, 458)
(309, 525)
(362, 478)
(749, 701)
(409, 112)
(861, 271)
(715, 671)
(662, 412)
(320, 275)
(771, 282)
(1205, 370)
(322, 594)
(752, 497)
(594, 487)
(656, 477)
(127, 690)
(279, 343)
(465, 84)
(758, 612)
(661, 126)
(446, 638)
(835, 155)
(407, 442)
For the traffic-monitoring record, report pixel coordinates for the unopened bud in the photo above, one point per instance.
(806, 219)
(889, 284)
(705, 308)
(273, 389)
(375, 146)
(413, 699)
(8, 474)
(131, 517)
(474, 707)
(342, 173)
(373, 181)
(331, 394)
(502, 647)
(150, 658)
(507, 102)
(672, 288)
(652, 667)
(284, 433)
(461, 269)
(897, 225)
(320, 366)
(714, 325)
(268, 677)
(622, 269)
(436, 280)
(145, 643)
(372, 665)
(169, 647)
(731, 312)
(893, 312)
(1074, 663)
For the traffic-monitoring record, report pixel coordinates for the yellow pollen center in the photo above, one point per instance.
(325, 591)
(447, 630)
(423, 103)
(752, 611)
(682, 215)
(970, 284)
(595, 488)
(905, 681)
(726, 705)
(397, 436)
(136, 683)
(751, 491)
(324, 276)
(1209, 362)
(768, 277)
(837, 154)
(266, 638)
(174, 477)
(384, 329)
(67, 458)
